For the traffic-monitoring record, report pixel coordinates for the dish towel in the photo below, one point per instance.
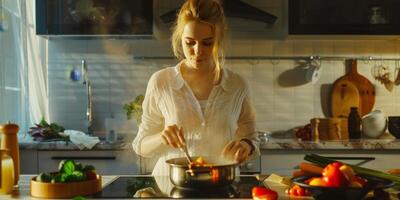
(81, 139)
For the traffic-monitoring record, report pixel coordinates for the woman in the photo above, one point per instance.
(197, 103)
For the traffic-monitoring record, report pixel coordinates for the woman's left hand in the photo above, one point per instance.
(236, 150)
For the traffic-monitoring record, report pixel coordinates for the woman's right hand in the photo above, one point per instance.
(173, 136)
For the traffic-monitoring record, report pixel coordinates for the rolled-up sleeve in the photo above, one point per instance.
(247, 124)
(152, 118)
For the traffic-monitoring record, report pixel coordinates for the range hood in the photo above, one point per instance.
(232, 8)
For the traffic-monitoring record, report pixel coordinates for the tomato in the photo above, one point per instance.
(263, 193)
(301, 191)
(296, 190)
(333, 176)
(90, 175)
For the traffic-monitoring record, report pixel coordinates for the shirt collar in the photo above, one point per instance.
(178, 80)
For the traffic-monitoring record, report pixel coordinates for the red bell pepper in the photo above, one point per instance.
(263, 193)
(333, 176)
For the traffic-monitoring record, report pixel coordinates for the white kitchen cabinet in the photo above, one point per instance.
(106, 162)
(28, 161)
(284, 162)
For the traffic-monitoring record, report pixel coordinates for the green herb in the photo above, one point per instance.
(68, 167)
(43, 123)
(323, 161)
(76, 176)
(135, 108)
(78, 166)
(68, 171)
(46, 131)
(44, 177)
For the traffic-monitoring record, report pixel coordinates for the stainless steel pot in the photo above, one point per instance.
(220, 174)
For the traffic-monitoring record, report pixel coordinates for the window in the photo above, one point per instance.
(13, 98)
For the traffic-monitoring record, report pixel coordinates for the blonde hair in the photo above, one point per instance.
(206, 11)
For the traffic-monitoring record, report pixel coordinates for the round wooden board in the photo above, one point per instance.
(64, 190)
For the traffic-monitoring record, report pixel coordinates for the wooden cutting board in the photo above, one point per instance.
(343, 94)
(366, 90)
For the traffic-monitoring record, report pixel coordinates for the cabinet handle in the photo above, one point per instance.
(83, 158)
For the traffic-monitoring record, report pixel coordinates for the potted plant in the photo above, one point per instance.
(134, 108)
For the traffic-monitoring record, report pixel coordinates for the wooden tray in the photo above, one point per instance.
(65, 190)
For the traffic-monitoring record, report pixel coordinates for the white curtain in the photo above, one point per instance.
(23, 77)
(36, 67)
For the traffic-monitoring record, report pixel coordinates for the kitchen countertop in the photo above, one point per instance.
(267, 143)
(28, 143)
(385, 143)
(23, 191)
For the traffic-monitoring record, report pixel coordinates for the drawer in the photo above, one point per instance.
(28, 161)
(105, 162)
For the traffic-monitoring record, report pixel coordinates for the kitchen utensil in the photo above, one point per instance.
(10, 141)
(6, 172)
(366, 89)
(343, 193)
(313, 72)
(185, 150)
(220, 173)
(374, 124)
(394, 126)
(344, 96)
(64, 190)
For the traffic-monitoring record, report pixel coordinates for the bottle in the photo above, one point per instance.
(6, 172)
(354, 126)
(10, 141)
(111, 132)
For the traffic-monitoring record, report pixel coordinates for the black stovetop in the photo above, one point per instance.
(131, 187)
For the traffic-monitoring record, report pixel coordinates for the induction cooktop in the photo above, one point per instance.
(132, 187)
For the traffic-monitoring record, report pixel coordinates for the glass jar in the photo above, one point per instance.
(6, 172)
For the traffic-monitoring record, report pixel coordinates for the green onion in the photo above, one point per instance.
(323, 161)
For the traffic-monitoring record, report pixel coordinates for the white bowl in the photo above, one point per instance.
(374, 124)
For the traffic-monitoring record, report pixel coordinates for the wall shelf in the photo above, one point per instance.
(332, 58)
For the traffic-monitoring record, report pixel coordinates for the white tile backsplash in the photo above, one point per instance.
(282, 97)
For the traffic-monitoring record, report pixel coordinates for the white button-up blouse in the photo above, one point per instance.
(229, 115)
